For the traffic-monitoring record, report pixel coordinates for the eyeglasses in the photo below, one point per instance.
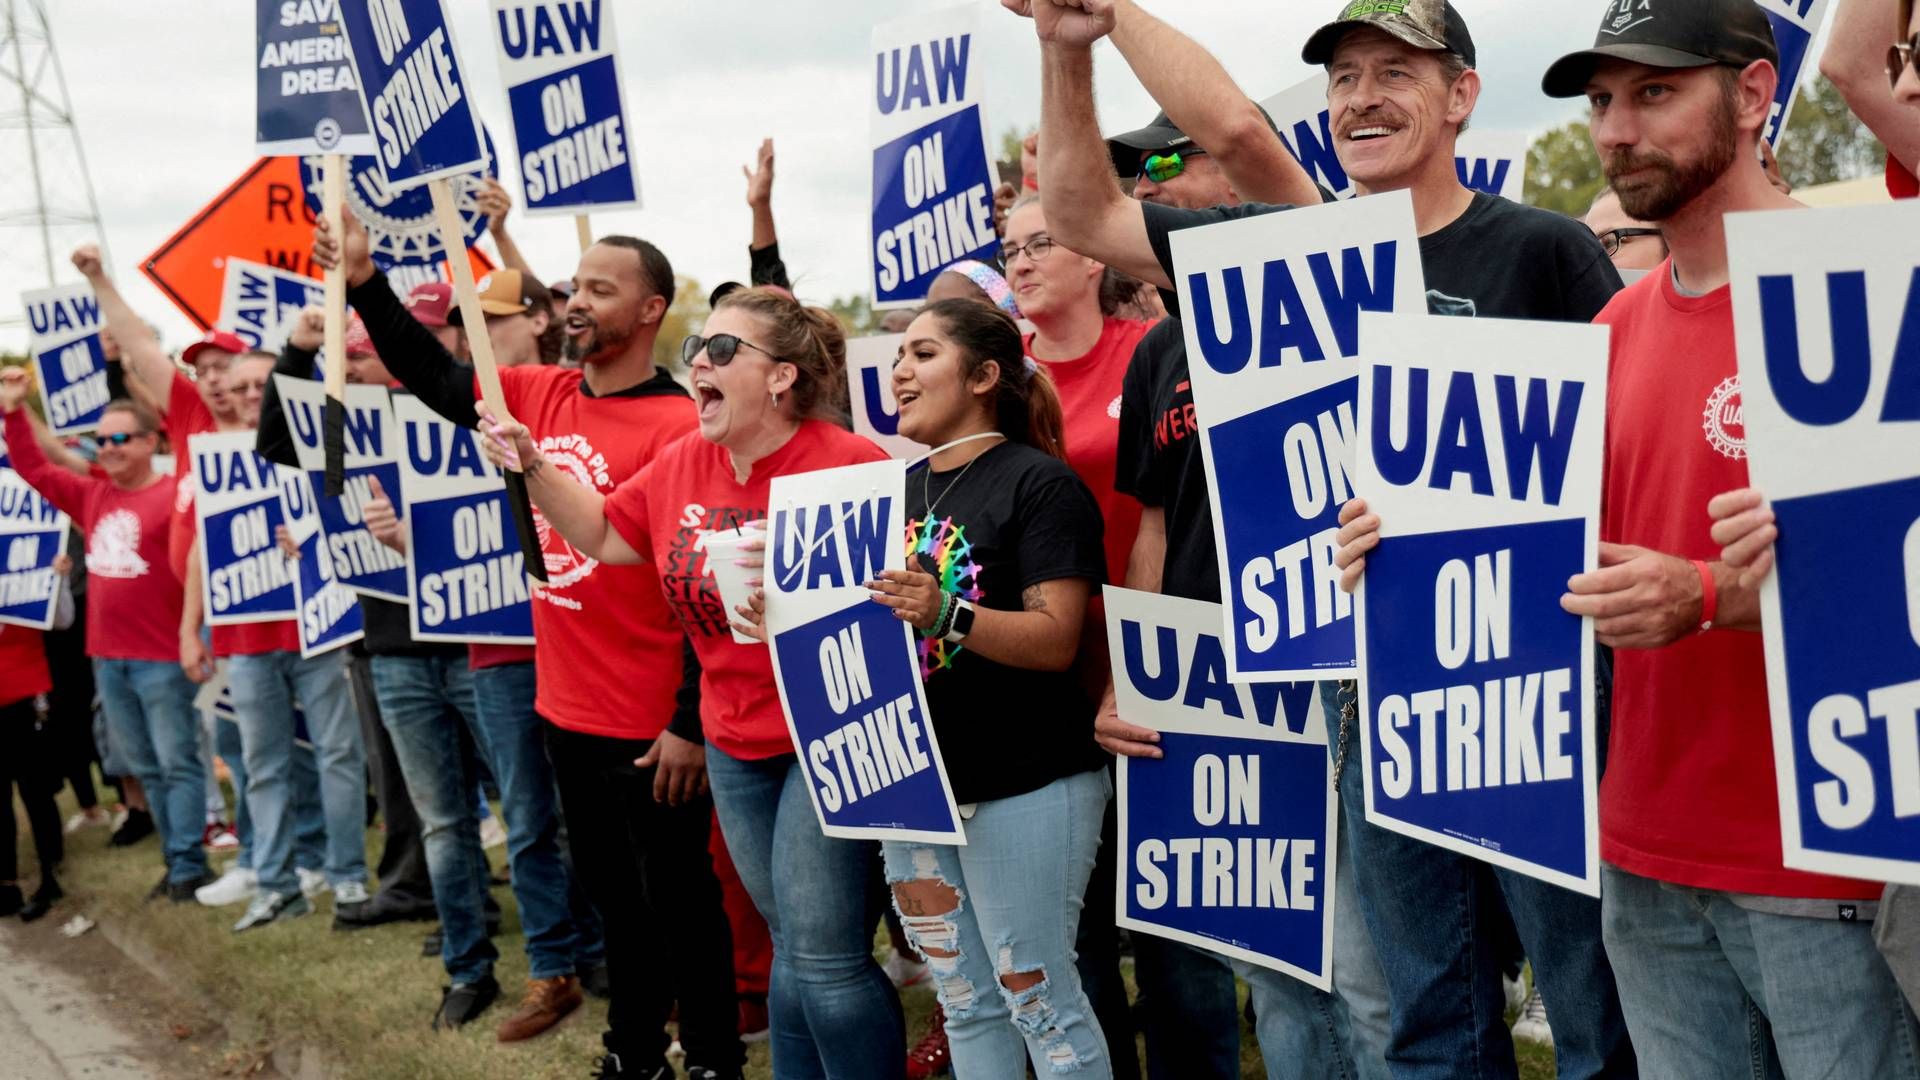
(1902, 56)
(1035, 249)
(721, 348)
(1161, 168)
(1614, 239)
(118, 438)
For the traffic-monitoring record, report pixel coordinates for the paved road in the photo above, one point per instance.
(52, 1026)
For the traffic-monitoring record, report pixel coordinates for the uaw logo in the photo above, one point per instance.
(1625, 15)
(1725, 421)
(326, 133)
(567, 565)
(113, 551)
(400, 227)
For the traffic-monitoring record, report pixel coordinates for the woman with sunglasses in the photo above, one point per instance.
(764, 376)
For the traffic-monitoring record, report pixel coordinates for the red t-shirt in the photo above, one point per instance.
(187, 416)
(23, 666)
(1689, 794)
(481, 657)
(686, 493)
(133, 599)
(1901, 184)
(609, 660)
(1090, 399)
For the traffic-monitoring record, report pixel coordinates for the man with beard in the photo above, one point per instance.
(1705, 926)
(615, 676)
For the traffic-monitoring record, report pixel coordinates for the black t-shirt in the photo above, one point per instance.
(1499, 259)
(1018, 517)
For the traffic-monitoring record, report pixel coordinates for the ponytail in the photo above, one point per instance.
(1026, 405)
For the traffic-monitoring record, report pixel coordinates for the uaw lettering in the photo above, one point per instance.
(358, 561)
(1274, 306)
(932, 174)
(466, 578)
(328, 614)
(260, 303)
(1227, 838)
(1480, 449)
(848, 674)
(564, 92)
(1827, 320)
(245, 577)
(63, 340)
(870, 386)
(32, 535)
(1794, 25)
(306, 92)
(415, 98)
(1494, 162)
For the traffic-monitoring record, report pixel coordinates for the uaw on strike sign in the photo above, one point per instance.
(569, 116)
(1226, 841)
(413, 88)
(359, 561)
(1273, 309)
(63, 340)
(32, 534)
(1826, 308)
(245, 577)
(1480, 448)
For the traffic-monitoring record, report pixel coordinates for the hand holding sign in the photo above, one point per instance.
(348, 250)
(508, 445)
(1120, 738)
(1638, 599)
(1744, 527)
(1359, 533)
(381, 521)
(914, 596)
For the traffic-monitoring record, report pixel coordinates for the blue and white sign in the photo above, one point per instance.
(1481, 444)
(32, 536)
(329, 613)
(261, 303)
(1227, 841)
(1273, 309)
(870, 387)
(1795, 23)
(306, 96)
(357, 560)
(401, 234)
(466, 580)
(848, 671)
(569, 111)
(1494, 162)
(1491, 161)
(933, 175)
(414, 90)
(244, 576)
(1826, 308)
(63, 341)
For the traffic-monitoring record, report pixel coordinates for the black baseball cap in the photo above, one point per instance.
(1669, 34)
(1433, 25)
(1159, 136)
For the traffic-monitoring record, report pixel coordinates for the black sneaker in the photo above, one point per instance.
(462, 1002)
(159, 890)
(382, 909)
(182, 892)
(610, 1067)
(48, 894)
(137, 827)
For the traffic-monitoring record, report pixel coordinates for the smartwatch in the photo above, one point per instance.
(962, 621)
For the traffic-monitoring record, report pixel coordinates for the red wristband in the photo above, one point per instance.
(1709, 595)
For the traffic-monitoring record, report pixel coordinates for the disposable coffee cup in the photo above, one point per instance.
(724, 550)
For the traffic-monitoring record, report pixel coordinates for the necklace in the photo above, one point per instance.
(926, 485)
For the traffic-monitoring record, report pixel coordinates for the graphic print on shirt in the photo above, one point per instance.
(567, 565)
(1113, 407)
(1178, 423)
(1725, 421)
(684, 576)
(113, 551)
(945, 546)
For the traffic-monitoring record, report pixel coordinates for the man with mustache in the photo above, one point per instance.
(1401, 87)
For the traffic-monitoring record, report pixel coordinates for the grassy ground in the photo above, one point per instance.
(365, 998)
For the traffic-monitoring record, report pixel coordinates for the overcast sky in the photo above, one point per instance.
(163, 96)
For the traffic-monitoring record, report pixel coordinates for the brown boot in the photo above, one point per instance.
(548, 1001)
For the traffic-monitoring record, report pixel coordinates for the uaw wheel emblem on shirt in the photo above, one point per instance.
(1724, 420)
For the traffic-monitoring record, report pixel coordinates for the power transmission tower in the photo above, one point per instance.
(47, 204)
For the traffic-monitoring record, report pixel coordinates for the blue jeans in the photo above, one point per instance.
(156, 737)
(1692, 964)
(226, 743)
(831, 1008)
(996, 919)
(1424, 906)
(310, 828)
(265, 688)
(423, 701)
(510, 734)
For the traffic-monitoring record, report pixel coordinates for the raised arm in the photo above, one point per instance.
(59, 487)
(577, 511)
(142, 359)
(764, 251)
(497, 204)
(1202, 100)
(1856, 61)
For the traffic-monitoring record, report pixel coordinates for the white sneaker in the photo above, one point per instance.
(904, 970)
(1532, 1023)
(349, 892)
(271, 908)
(1516, 993)
(232, 887)
(312, 882)
(81, 819)
(492, 833)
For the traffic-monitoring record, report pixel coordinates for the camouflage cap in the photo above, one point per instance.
(1423, 24)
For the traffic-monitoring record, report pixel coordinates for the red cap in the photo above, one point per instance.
(223, 340)
(358, 342)
(430, 301)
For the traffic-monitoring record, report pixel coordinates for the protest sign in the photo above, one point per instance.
(465, 578)
(848, 671)
(1826, 311)
(305, 100)
(1480, 448)
(358, 561)
(32, 535)
(870, 387)
(1494, 162)
(1228, 839)
(1491, 161)
(933, 176)
(63, 340)
(244, 576)
(414, 90)
(569, 111)
(329, 614)
(1794, 24)
(261, 303)
(401, 232)
(1273, 305)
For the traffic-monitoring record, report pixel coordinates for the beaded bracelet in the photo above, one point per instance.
(943, 620)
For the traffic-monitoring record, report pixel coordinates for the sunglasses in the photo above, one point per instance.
(1161, 168)
(120, 438)
(720, 348)
(1614, 239)
(1902, 56)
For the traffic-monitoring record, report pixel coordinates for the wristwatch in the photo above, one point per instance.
(962, 621)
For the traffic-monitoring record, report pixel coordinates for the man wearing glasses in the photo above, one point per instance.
(1634, 246)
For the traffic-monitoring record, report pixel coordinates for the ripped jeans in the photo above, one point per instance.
(996, 920)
